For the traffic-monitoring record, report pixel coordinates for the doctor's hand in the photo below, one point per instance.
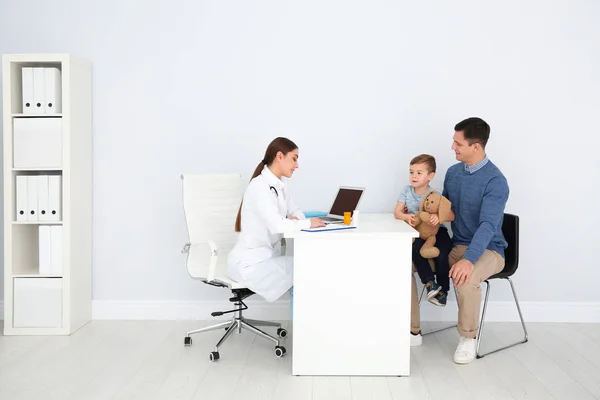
(316, 223)
(296, 218)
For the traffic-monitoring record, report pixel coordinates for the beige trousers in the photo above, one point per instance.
(469, 295)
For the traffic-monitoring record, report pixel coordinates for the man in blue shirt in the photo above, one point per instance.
(478, 192)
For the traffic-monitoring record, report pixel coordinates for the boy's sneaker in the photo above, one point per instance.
(432, 289)
(439, 299)
(416, 339)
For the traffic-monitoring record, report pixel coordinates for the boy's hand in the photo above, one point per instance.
(434, 220)
(410, 218)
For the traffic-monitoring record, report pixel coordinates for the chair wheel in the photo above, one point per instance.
(281, 332)
(187, 341)
(279, 351)
(213, 356)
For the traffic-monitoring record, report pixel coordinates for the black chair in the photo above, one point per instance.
(510, 229)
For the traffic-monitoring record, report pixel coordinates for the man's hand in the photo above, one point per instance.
(434, 220)
(461, 272)
(294, 218)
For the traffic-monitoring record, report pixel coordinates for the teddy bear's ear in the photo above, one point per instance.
(445, 213)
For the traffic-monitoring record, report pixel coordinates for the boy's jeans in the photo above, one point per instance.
(442, 265)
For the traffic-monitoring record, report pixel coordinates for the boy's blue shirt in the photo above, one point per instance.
(410, 199)
(478, 195)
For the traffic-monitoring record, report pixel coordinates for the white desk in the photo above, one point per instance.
(352, 299)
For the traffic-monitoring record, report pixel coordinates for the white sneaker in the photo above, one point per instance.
(465, 352)
(416, 340)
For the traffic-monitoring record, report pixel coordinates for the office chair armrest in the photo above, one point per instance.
(214, 255)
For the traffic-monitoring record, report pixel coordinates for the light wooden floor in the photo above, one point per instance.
(147, 360)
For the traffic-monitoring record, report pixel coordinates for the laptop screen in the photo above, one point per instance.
(346, 200)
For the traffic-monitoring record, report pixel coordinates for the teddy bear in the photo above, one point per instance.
(436, 204)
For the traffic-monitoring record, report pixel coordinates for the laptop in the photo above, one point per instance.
(347, 199)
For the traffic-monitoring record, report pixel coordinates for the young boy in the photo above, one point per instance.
(422, 171)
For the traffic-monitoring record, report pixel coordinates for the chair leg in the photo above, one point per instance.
(232, 325)
(245, 325)
(479, 333)
(438, 329)
(262, 323)
(211, 328)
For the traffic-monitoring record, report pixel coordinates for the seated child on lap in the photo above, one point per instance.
(421, 172)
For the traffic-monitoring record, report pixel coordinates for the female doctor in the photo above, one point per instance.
(266, 212)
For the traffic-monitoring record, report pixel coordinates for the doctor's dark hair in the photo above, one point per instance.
(280, 144)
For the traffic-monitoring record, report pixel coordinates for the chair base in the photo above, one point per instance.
(237, 324)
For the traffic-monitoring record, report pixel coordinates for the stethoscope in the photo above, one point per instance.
(273, 188)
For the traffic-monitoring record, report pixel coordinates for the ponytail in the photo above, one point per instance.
(280, 144)
(238, 220)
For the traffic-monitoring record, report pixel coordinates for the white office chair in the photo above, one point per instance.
(211, 203)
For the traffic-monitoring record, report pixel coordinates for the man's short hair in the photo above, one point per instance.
(475, 130)
(426, 159)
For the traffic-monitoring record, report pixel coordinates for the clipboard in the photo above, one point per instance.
(330, 227)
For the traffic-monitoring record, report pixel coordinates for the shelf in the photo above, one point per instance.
(36, 169)
(20, 115)
(47, 174)
(37, 222)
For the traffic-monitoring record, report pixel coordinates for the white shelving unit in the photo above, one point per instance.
(47, 136)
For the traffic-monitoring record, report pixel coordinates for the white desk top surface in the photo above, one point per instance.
(368, 224)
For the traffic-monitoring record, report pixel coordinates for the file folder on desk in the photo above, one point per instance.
(330, 227)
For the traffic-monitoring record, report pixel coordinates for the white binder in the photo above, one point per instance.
(37, 142)
(27, 86)
(32, 198)
(21, 198)
(43, 212)
(39, 98)
(52, 90)
(55, 197)
(56, 241)
(45, 250)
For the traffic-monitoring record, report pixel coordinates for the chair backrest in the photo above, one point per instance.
(510, 229)
(211, 203)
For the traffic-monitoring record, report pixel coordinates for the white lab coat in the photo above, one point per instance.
(256, 261)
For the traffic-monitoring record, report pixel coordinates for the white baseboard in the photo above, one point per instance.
(185, 310)
(533, 311)
(498, 311)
